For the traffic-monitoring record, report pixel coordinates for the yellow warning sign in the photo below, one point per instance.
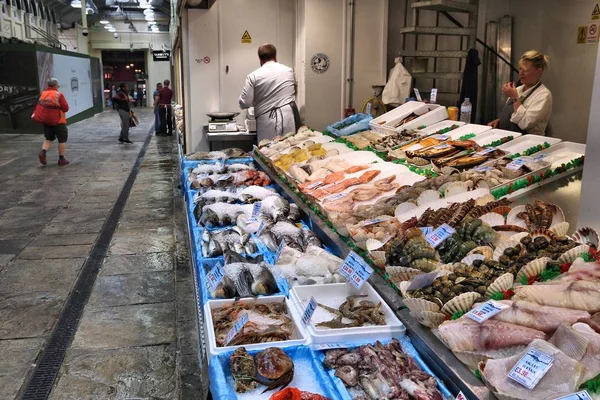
(246, 37)
(596, 12)
(581, 34)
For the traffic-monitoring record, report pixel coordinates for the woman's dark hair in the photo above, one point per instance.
(122, 85)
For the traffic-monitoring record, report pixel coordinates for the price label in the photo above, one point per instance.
(309, 311)
(516, 163)
(255, 211)
(373, 221)
(418, 94)
(486, 311)
(483, 168)
(461, 396)
(329, 346)
(356, 270)
(426, 230)
(486, 151)
(538, 158)
(334, 197)
(279, 250)
(327, 186)
(531, 368)
(438, 236)
(433, 96)
(583, 395)
(237, 327)
(442, 146)
(215, 276)
(441, 137)
(314, 185)
(260, 228)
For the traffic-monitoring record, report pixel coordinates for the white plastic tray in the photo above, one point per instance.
(467, 129)
(492, 135)
(524, 142)
(298, 338)
(436, 114)
(562, 153)
(333, 295)
(442, 125)
(385, 123)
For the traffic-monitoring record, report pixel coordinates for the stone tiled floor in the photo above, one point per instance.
(137, 335)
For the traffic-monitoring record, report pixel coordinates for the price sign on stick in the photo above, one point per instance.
(255, 211)
(356, 270)
(215, 276)
(486, 311)
(309, 311)
(583, 395)
(440, 235)
(237, 327)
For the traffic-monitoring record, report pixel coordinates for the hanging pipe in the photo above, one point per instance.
(349, 109)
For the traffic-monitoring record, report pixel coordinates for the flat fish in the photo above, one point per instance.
(561, 379)
(265, 283)
(593, 322)
(276, 207)
(578, 295)
(542, 318)
(581, 343)
(464, 334)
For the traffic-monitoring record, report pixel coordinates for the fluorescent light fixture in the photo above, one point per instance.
(109, 26)
(112, 30)
(149, 18)
(76, 3)
(145, 4)
(148, 11)
(151, 22)
(132, 64)
(89, 11)
(104, 21)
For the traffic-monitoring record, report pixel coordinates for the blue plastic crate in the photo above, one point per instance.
(359, 122)
(223, 388)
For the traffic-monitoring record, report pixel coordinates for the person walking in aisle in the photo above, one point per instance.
(156, 113)
(113, 94)
(165, 95)
(122, 100)
(51, 100)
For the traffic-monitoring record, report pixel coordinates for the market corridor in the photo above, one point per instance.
(136, 336)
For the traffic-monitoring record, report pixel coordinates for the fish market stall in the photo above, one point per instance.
(449, 248)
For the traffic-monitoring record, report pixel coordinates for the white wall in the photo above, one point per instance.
(157, 72)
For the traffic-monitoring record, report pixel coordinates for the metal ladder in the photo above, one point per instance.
(411, 57)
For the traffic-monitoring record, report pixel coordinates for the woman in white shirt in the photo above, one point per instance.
(529, 106)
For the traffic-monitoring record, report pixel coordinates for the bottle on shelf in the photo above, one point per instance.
(465, 111)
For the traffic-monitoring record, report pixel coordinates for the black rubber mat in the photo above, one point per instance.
(42, 379)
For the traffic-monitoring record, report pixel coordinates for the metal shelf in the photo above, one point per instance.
(433, 53)
(437, 30)
(445, 5)
(438, 75)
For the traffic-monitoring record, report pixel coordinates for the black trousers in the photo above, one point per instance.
(166, 120)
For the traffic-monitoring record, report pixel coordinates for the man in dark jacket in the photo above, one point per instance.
(122, 100)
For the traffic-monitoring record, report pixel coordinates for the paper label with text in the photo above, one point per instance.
(356, 270)
(531, 368)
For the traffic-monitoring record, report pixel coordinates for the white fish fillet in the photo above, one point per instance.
(464, 334)
(561, 379)
(581, 343)
(582, 271)
(532, 315)
(578, 295)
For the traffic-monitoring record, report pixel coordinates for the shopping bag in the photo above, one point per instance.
(133, 120)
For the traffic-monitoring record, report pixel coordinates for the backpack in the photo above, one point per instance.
(46, 114)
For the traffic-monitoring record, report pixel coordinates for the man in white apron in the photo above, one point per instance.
(271, 90)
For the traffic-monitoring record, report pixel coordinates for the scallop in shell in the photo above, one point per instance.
(486, 251)
(512, 219)
(472, 257)
(533, 268)
(572, 254)
(503, 246)
(430, 319)
(586, 235)
(492, 219)
(428, 196)
(558, 216)
(403, 288)
(483, 200)
(500, 284)
(455, 188)
(401, 274)
(560, 229)
(461, 303)
(421, 305)
(379, 258)
(404, 208)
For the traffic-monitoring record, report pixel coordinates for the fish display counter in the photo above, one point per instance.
(261, 264)
(483, 273)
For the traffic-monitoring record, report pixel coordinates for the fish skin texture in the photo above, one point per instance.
(578, 295)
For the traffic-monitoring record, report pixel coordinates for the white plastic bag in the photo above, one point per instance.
(397, 89)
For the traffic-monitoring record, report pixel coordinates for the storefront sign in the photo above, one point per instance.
(319, 63)
(246, 37)
(592, 33)
(161, 55)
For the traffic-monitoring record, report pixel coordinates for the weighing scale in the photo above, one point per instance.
(222, 122)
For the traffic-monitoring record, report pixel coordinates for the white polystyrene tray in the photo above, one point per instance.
(520, 144)
(442, 202)
(394, 116)
(442, 125)
(562, 153)
(333, 295)
(492, 135)
(436, 114)
(298, 338)
(467, 129)
(341, 147)
(358, 157)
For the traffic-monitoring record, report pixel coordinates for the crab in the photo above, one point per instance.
(276, 366)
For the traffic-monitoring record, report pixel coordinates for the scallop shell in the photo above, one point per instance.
(486, 251)
(373, 244)
(503, 246)
(427, 197)
(572, 254)
(492, 219)
(331, 153)
(502, 210)
(483, 200)
(378, 257)
(512, 219)
(449, 171)
(543, 233)
(446, 267)
(456, 188)
(560, 229)
(421, 305)
(586, 235)
(361, 240)
(401, 274)
(532, 268)
(419, 162)
(404, 208)
(462, 303)
(308, 143)
(518, 236)
(472, 257)
(482, 184)
(429, 318)
(471, 358)
(558, 216)
(500, 284)
(403, 288)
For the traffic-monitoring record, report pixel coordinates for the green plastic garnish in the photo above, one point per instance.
(467, 136)
(457, 315)
(478, 374)
(592, 386)
(497, 296)
(498, 142)
(531, 150)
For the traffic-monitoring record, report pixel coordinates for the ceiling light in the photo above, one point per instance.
(149, 18)
(151, 22)
(76, 3)
(148, 11)
(145, 4)
(127, 66)
(131, 64)
(89, 10)
(108, 26)
(155, 28)
(112, 30)
(104, 21)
